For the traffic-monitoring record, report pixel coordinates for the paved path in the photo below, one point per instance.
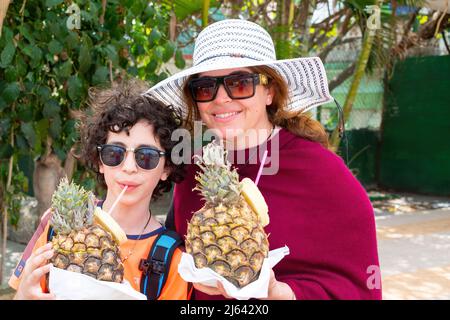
(414, 250)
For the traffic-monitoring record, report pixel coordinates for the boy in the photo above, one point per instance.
(127, 143)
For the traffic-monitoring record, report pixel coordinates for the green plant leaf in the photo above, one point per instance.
(55, 127)
(3, 105)
(21, 143)
(7, 54)
(100, 76)
(64, 70)
(11, 74)
(43, 93)
(154, 37)
(11, 92)
(111, 52)
(55, 47)
(52, 3)
(25, 31)
(179, 60)
(25, 112)
(6, 151)
(159, 52)
(169, 50)
(29, 133)
(51, 109)
(84, 58)
(42, 129)
(75, 87)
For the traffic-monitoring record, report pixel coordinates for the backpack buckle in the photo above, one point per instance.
(154, 266)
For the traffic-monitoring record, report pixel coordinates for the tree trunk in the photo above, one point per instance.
(205, 13)
(48, 172)
(307, 8)
(351, 96)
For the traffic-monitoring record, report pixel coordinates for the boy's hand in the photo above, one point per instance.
(35, 268)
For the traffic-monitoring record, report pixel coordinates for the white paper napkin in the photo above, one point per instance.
(208, 277)
(67, 285)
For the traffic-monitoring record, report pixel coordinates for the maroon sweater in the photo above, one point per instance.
(319, 210)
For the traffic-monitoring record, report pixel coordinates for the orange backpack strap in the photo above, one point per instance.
(155, 268)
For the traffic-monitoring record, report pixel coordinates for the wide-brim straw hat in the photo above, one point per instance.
(235, 43)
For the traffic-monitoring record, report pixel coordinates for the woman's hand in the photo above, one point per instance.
(277, 290)
(35, 268)
(220, 290)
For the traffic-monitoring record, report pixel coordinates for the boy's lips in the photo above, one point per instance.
(130, 185)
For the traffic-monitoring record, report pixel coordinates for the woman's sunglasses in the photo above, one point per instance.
(146, 158)
(237, 86)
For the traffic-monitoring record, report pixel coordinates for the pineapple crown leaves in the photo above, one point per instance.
(217, 182)
(72, 207)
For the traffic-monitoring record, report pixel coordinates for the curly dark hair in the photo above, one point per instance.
(118, 109)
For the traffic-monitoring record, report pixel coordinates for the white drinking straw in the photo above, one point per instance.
(263, 161)
(117, 200)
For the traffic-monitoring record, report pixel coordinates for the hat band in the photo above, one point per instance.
(233, 55)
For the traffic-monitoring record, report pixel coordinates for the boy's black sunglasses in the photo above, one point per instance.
(146, 158)
(237, 86)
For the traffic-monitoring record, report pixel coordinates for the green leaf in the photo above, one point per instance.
(100, 76)
(42, 129)
(29, 133)
(34, 53)
(75, 88)
(55, 47)
(7, 54)
(85, 58)
(5, 126)
(25, 31)
(179, 60)
(154, 37)
(21, 67)
(6, 151)
(55, 127)
(169, 50)
(158, 52)
(111, 52)
(151, 66)
(52, 3)
(11, 74)
(64, 70)
(21, 143)
(184, 8)
(25, 112)
(11, 92)
(51, 109)
(3, 105)
(43, 93)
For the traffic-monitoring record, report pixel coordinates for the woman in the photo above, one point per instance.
(316, 206)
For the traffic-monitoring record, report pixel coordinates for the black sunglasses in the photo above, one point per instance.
(237, 86)
(146, 158)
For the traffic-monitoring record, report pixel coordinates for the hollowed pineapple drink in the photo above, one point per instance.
(87, 239)
(227, 234)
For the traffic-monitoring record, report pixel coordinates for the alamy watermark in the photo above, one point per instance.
(374, 20)
(374, 279)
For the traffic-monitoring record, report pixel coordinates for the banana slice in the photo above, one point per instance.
(255, 199)
(107, 222)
